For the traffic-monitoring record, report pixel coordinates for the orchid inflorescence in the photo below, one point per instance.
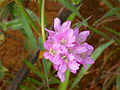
(67, 49)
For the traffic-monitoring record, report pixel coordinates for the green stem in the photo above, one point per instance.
(42, 20)
(63, 86)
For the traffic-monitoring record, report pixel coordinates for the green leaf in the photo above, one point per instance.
(54, 81)
(40, 43)
(32, 80)
(72, 8)
(46, 71)
(3, 3)
(32, 67)
(111, 30)
(3, 13)
(118, 79)
(16, 24)
(23, 87)
(108, 3)
(45, 65)
(98, 32)
(63, 86)
(110, 6)
(33, 16)
(31, 41)
(94, 56)
(26, 15)
(82, 23)
(2, 69)
(111, 12)
(72, 16)
(76, 1)
(0, 75)
(103, 34)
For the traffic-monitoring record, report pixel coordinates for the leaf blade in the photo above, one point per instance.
(94, 55)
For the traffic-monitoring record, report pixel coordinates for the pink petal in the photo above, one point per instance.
(57, 60)
(61, 76)
(90, 49)
(73, 65)
(48, 56)
(51, 32)
(80, 49)
(57, 24)
(78, 59)
(70, 33)
(88, 60)
(83, 36)
(71, 57)
(66, 24)
(76, 31)
(46, 45)
(55, 67)
(85, 66)
(72, 71)
(62, 68)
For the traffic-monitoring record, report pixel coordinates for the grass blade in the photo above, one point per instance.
(98, 32)
(2, 69)
(16, 23)
(82, 23)
(118, 80)
(72, 16)
(108, 3)
(72, 8)
(94, 55)
(45, 65)
(63, 86)
(34, 81)
(31, 66)
(110, 6)
(111, 30)
(3, 3)
(111, 12)
(31, 41)
(27, 17)
(103, 34)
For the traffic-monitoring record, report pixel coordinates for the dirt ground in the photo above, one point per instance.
(12, 51)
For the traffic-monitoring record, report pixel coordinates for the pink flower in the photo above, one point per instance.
(66, 48)
(83, 50)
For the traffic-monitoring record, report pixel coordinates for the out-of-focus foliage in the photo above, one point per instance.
(2, 70)
(3, 3)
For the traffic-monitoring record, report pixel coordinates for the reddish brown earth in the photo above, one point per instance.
(12, 52)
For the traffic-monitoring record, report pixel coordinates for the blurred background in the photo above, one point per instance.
(20, 35)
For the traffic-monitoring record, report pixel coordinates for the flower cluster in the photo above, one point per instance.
(67, 49)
